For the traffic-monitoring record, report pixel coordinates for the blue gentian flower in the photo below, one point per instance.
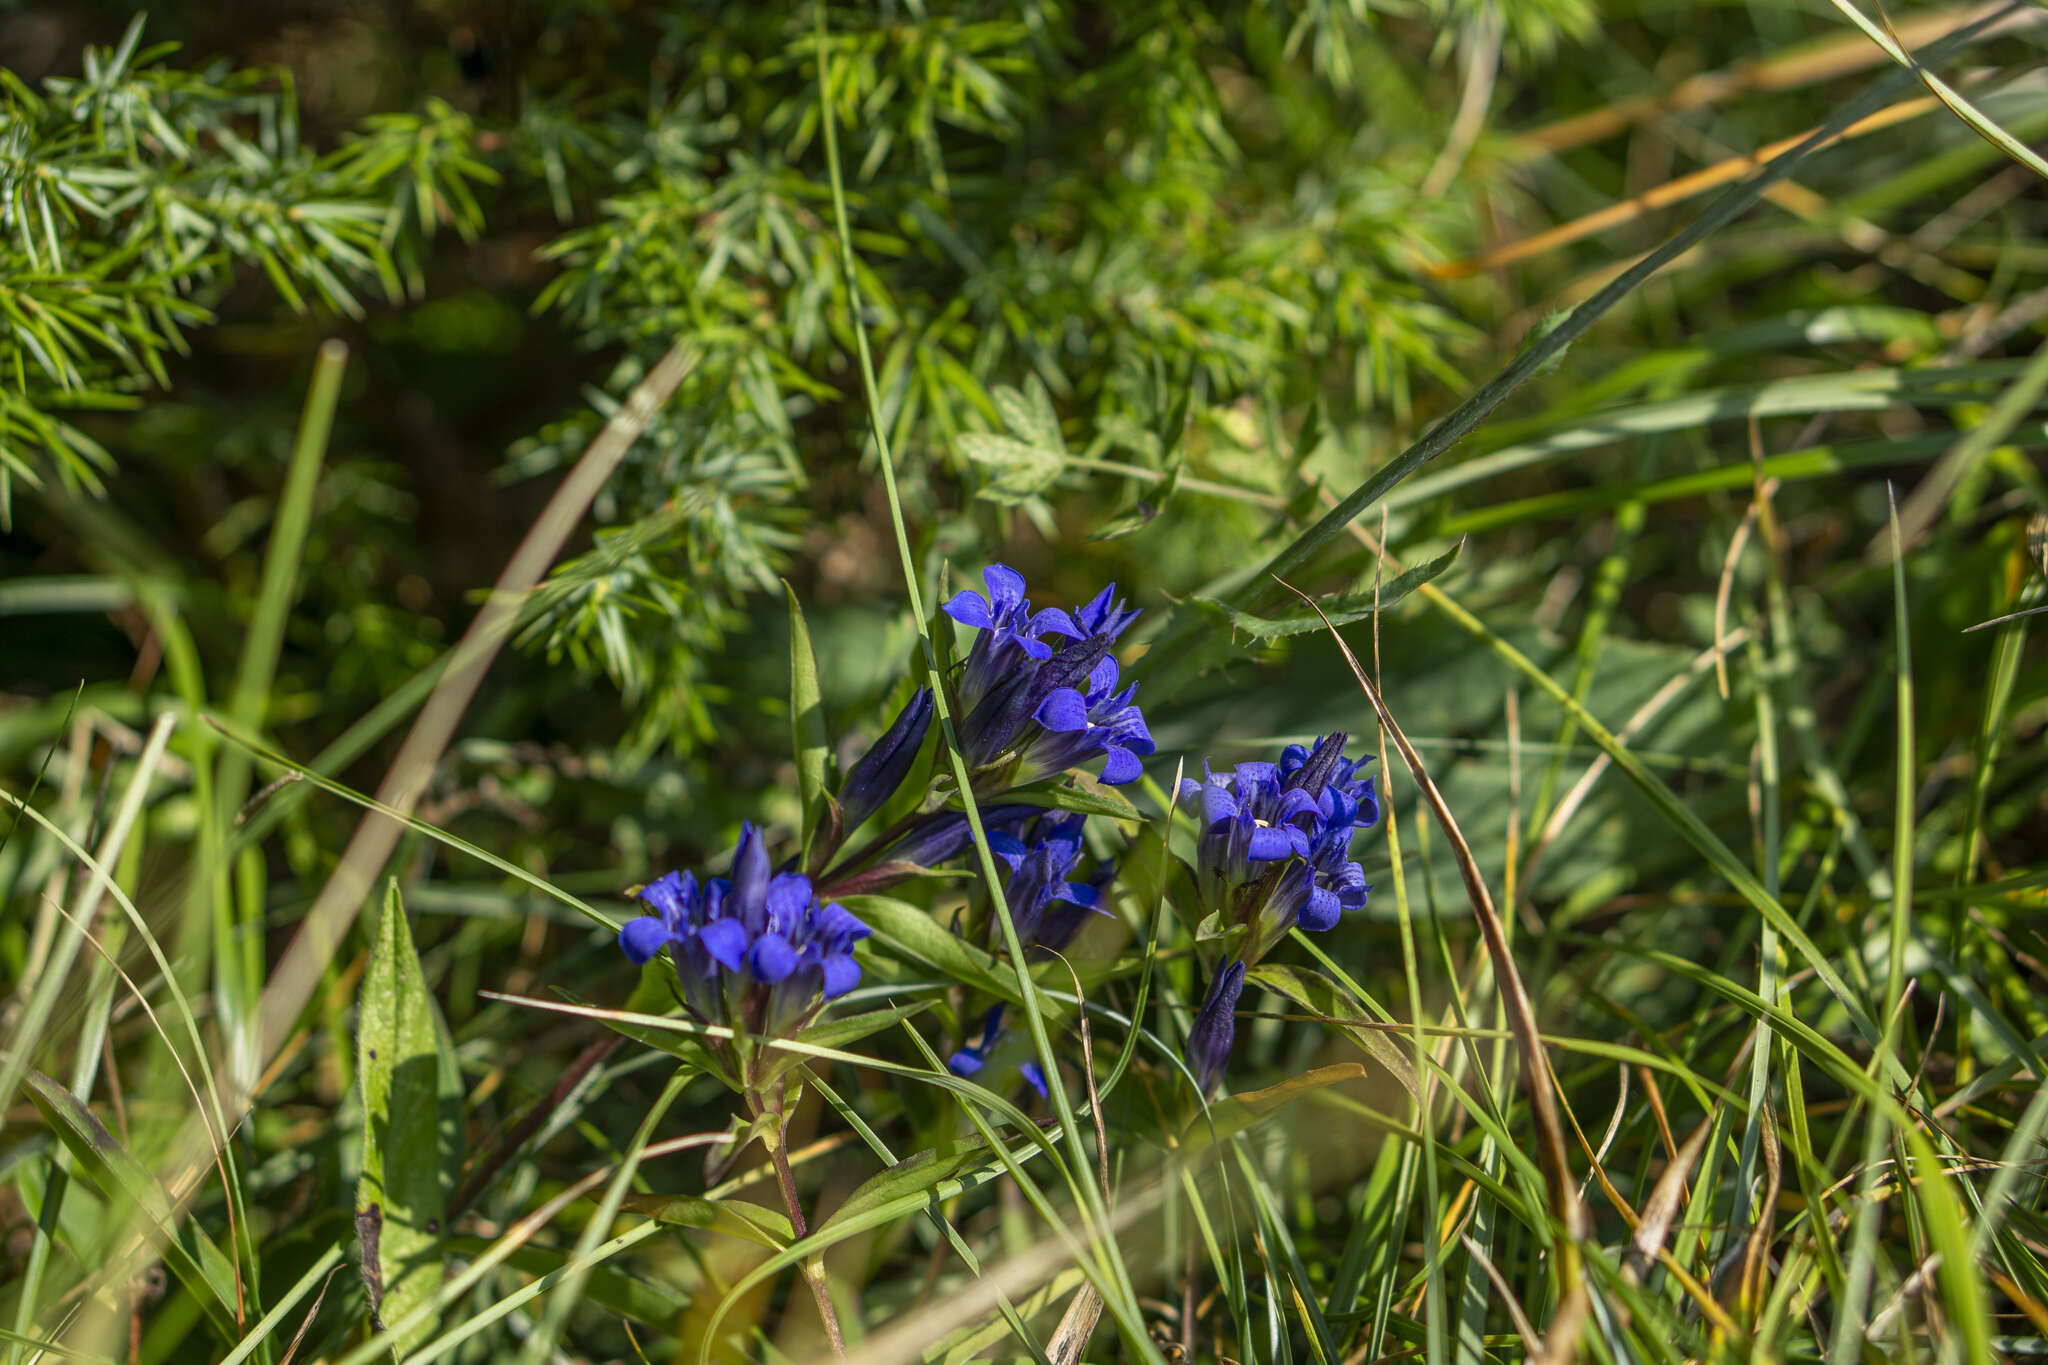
(1047, 909)
(1274, 852)
(877, 774)
(1275, 843)
(969, 1061)
(756, 951)
(1215, 1027)
(1078, 725)
(1030, 675)
(929, 841)
(1010, 630)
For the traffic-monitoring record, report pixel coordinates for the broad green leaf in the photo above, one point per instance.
(838, 1033)
(658, 993)
(915, 1174)
(191, 1255)
(912, 932)
(1029, 415)
(733, 1217)
(1055, 793)
(608, 1287)
(1144, 509)
(412, 1129)
(1343, 610)
(1229, 1117)
(1317, 993)
(810, 743)
(1014, 470)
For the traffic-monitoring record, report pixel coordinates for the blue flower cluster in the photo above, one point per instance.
(1047, 909)
(1274, 852)
(876, 775)
(756, 951)
(969, 1061)
(1042, 685)
(1041, 851)
(1038, 693)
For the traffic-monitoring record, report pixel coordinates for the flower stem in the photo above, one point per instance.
(813, 1266)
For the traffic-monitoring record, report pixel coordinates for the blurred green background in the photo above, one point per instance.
(1149, 284)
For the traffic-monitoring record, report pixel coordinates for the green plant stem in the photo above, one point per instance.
(813, 1266)
(1122, 1303)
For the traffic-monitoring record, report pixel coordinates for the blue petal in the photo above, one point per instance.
(842, 974)
(643, 938)
(771, 959)
(726, 941)
(750, 872)
(1098, 609)
(1217, 803)
(789, 895)
(1252, 775)
(1123, 766)
(1270, 845)
(669, 895)
(1053, 621)
(1322, 911)
(834, 921)
(1064, 710)
(1034, 1076)
(1215, 1026)
(1131, 732)
(969, 609)
(1294, 801)
(966, 1062)
(991, 1029)
(1102, 681)
(1005, 586)
(1368, 806)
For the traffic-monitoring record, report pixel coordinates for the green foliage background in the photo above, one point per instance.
(1149, 287)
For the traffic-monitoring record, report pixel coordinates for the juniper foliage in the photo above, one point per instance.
(1065, 226)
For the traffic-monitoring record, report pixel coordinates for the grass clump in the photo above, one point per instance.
(559, 496)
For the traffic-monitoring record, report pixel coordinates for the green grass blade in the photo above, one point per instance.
(412, 1127)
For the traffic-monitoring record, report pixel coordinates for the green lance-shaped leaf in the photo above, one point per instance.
(1143, 509)
(192, 1256)
(840, 1033)
(733, 1217)
(412, 1129)
(1339, 610)
(915, 1174)
(909, 931)
(1314, 991)
(1053, 793)
(810, 743)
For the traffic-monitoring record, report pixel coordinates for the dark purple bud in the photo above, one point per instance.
(995, 720)
(943, 837)
(1215, 1027)
(881, 770)
(748, 899)
(1314, 773)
